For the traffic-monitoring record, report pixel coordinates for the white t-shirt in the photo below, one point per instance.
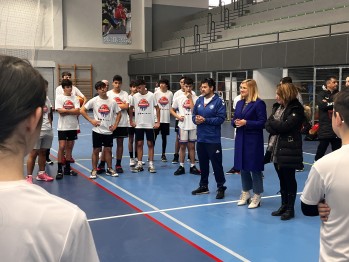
(38, 226)
(75, 91)
(68, 122)
(121, 98)
(180, 92)
(104, 110)
(236, 100)
(164, 101)
(45, 117)
(144, 109)
(329, 177)
(181, 103)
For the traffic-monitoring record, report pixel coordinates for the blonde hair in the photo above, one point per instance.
(287, 92)
(252, 89)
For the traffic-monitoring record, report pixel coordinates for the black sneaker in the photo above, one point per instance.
(119, 169)
(179, 171)
(100, 169)
(163, 158)
(59, 175)
(200, 190)
(70, 173)
(195, 171)
(175, 159)
(220, 192)
(233, 171)
(49, 162)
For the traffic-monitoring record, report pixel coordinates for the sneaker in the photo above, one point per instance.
(44, 177)
(200, 190)
(100, 170)
(132, 162)
(151, 169)
(118, 169)
(138, 168)
(59, 175)
(94, 174)
(136, 160)
(49, 162)
(179, 171)
(255, 201)
(29, 179)
(233, 171)
(69, 173)
(220, 192)
(175, 159)
(195, 171)
(244, 198)
(111, 172)
(163, 158)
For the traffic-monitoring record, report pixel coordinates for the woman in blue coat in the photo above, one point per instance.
(249, 119)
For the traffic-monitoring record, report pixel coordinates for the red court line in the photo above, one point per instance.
(151, 218)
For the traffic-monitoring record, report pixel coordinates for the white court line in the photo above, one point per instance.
(169, 217)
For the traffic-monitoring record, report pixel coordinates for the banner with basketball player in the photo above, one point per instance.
(116, 22)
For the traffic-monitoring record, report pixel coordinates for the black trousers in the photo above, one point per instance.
(336, 143)
(287, 177)
(210, 152)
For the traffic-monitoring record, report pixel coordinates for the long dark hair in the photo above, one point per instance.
(22, 90)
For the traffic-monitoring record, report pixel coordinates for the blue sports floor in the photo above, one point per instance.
(154, 217)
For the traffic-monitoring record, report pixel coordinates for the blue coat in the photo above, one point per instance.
(249, 143)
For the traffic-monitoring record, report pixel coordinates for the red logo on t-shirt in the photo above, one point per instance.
(163, 101)
(143, 104)
(118, 100)
(68, 104)
(186, 104)
(104, 110)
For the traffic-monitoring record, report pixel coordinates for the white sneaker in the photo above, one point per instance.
(151, 169)
(111, 172)
(132, 162)
(244, 198)
(93, 174)
(255, 201)
(143, 163)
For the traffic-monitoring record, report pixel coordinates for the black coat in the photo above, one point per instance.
(325, 105)
(289, 152)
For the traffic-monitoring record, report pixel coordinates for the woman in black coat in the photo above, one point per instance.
(285, 145)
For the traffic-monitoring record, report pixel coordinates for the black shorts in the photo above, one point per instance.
(176, 126)
(121, 131)
(148, 132)
(99, 140)
(164, 128)
(68, 135)
(131, 131)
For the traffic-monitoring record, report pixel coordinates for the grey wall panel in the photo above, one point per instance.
(215, 61)
(231, 59)
(160, 65)
(331, 50)
(132, 67)
(172, 64)
(184, 63)
(273, 55)
(168, 19)
(148, 29)
(199, 62)
(149, 66)
(300, 53)
(251, 57)
(140, 66)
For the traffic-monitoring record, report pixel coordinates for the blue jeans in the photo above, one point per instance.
(252, 180)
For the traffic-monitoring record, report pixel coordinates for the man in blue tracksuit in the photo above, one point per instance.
(209, 114)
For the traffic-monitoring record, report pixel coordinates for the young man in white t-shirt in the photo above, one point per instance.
(182, 109)
(143, 104)
(328, 183)
(164, 98)
(68, 107)
(121, 98)
(106, 117)
(76, 92)
(42, 145)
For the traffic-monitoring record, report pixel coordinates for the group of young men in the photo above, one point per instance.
(117, 114)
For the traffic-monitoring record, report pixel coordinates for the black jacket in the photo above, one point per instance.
(289, 152)
(325, 105)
